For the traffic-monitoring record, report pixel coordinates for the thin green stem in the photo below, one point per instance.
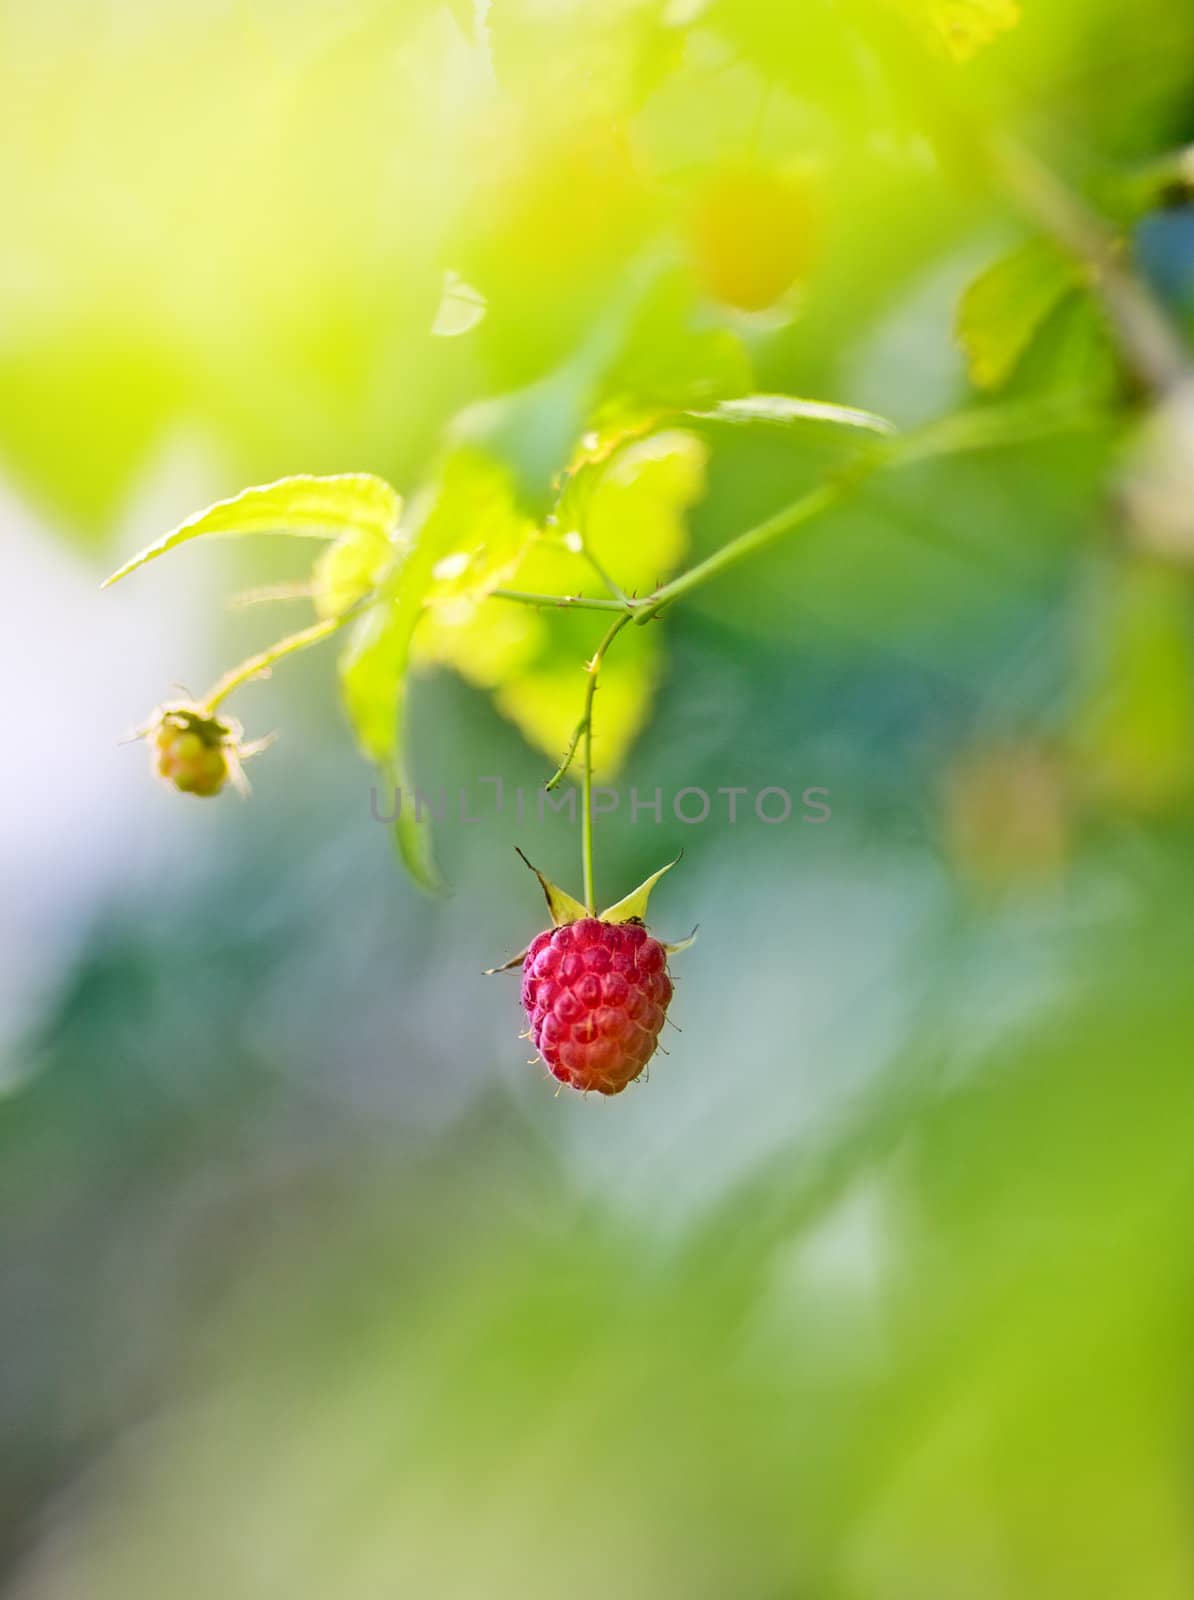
(564, 602)
(586, 821)
(982, 429)
(561, 771)
(620, 596)
(269, 593)
(261, 663)
(749, 543)
(968, 431)
(584, 732)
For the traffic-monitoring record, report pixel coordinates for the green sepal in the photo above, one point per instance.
(506, 966)
(562, 907)
(634, 907)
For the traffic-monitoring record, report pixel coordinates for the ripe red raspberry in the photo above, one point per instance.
(595, 994)
(596, 989)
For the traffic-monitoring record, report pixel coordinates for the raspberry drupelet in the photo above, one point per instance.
(596, 994)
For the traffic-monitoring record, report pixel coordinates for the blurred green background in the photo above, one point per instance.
(882, 1288)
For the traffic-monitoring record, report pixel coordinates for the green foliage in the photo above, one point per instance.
(363, 505)
(622, 504)
(350, 568)
(441, 563)
(1005, 307)
(884, 1285)
(575, 278)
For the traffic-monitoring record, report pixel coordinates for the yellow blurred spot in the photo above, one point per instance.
(964, 27)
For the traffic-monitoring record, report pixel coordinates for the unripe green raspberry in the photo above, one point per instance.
(193, 750)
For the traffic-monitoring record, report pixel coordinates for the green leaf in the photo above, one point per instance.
(1073, 354)
(349, 568)
(1004, 308)
(630, 503)
(784, 409)
(633, 907)
(484, 533)
(373, 670)
(634, 516)
(303, 505)
(467, 534)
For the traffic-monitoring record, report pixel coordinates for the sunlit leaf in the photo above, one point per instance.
(484, 533)
(303, 505)
(373, 669)
(634, 521)
(629, 494)
(466, 535)
(487, 642)
(349, 568)
(1004, 308)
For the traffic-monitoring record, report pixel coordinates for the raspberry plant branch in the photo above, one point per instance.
(957, 433)
(592, 667)
(810, 505)
(620, 596)
(565, 602)
(367, 569)
(256, 666)
(986, 428)
(982, 428)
